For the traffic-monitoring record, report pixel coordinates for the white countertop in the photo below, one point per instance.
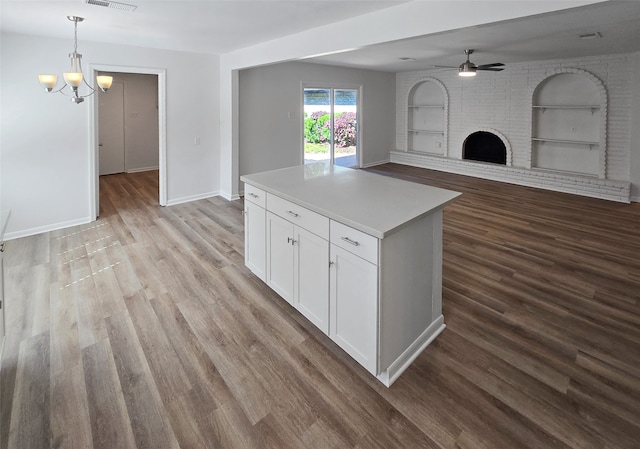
(375, 204)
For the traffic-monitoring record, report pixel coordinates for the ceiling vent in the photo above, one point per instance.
(112, 5)
(588, 36)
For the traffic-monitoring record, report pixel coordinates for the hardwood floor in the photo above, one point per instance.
(145, 330)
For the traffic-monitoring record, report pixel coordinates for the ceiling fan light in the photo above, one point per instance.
(466, 70)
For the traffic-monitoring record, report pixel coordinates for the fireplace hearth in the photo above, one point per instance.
(484, 146)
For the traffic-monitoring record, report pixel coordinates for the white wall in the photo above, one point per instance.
(634, 143)
(141, 143)
(270, 112)
(502, 101)
(45, 138)
(404, 21)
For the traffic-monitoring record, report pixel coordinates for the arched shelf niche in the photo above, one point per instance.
(427, 112)
(569, 113)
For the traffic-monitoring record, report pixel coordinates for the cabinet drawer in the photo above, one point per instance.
(299, 215)
(255, 195)
(354, 241)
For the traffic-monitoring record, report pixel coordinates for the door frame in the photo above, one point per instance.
(94, 197)
(332, 86)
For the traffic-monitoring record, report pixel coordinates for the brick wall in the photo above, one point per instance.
(502, 101)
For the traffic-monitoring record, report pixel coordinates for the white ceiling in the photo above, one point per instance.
(221, 26)
(211, 26)
(536, 38)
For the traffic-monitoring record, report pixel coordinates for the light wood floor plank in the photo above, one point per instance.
(145, 329)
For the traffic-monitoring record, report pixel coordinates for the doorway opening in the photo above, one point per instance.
(134, 162)
(128, 124)
(330, 125)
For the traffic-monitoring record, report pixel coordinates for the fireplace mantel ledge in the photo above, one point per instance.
(543, 179)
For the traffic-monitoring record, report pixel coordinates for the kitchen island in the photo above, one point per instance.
(358, 254)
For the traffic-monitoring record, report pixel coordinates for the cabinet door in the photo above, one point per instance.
(1, 296)
(353, 305)
(311, 280)
(255, 242)
(279, 274)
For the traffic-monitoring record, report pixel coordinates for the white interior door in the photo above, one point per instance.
(111, 130)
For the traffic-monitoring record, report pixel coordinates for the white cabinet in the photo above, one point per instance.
(255, 231)
(1, 296)
(360, 256)
(280, 256)
(298, 259)
(4, 218)
(354, 306)
(311, 279)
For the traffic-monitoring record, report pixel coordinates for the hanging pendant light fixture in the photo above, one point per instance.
(74, 78)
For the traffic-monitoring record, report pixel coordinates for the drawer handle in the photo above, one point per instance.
(348, 240)
(253, 195)
(293, 214)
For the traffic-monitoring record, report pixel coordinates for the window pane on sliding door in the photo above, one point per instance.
(317, 125)
(345, 127)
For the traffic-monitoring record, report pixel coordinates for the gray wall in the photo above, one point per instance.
(270, 112)
(140, 120)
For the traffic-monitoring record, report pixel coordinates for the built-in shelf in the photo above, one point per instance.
(425, 131)
(572, 142)
(426, 118)
(543, 107)
(427, 106)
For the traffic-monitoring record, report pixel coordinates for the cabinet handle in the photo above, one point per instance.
(253, 195)
(348, 240)
(292, 241)
(331, 263)
(292, 213)
(2, 247)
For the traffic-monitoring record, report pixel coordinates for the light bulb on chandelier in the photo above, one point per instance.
(74, 78)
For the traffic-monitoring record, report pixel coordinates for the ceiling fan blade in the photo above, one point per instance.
(491, 69)
(444, 67)
(495, 64)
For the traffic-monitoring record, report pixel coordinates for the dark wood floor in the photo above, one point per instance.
(144, 330)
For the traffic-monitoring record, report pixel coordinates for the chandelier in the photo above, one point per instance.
(74, 78)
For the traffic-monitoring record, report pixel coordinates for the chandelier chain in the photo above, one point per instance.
(75, 36)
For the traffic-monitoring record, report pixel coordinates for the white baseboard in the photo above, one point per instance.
(228, 197)
(186, 199)
(373, 164)
(46, 228)
(607, 189)
(389, 375)
(138, 170)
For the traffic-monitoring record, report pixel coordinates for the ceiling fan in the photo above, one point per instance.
(468, 68)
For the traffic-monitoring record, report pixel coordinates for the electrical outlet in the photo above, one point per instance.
(574, 129)
(196, 140)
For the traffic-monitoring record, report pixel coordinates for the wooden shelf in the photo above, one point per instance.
(427, 106)
(425, 131)
(543, 107)
(572, 142)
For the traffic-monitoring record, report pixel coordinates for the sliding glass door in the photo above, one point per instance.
(331, 125)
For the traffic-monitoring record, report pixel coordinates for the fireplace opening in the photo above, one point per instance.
(485, 147)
